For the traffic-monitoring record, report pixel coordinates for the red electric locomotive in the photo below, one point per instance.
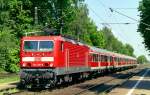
(49, 60)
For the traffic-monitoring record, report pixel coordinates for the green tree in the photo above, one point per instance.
(142, 59)
(144, 26)
(113, 44)
(9, 53)
(68, 16)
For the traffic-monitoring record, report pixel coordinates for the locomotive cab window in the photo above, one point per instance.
(31, 45)
(45, 45)
(38, 45)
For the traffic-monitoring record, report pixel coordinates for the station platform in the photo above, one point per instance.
(137, 85)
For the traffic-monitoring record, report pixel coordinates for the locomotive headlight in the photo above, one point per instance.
(24, 64)
(51, 65)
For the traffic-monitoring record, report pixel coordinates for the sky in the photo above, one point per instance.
(100, 13)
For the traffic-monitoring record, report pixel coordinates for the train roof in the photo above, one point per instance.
(104, 51)
(92, 48)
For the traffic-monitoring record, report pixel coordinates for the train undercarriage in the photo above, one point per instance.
(47, 78)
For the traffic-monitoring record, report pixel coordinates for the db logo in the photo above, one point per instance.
(37, 58)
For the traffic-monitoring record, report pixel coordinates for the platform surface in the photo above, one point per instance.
(137, 85)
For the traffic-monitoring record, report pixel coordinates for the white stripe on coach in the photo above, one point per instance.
(28, 59)
(47, 58)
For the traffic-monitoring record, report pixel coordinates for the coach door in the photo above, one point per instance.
(67, 59)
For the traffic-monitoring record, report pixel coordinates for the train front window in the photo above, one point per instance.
(45, 45)
(38, 45)
(31, 45)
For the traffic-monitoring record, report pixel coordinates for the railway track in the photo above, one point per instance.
(99, 85)
(106, 86)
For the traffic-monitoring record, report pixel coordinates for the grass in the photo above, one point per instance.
(13, 78)
(9, 91)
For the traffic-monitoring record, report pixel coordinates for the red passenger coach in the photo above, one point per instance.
(49, 60)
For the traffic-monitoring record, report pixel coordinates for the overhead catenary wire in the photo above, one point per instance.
(119, 27)
(103, 20)
(118, 23)
(107, 7)
(126, 8)
(112, 10)
(98, 16)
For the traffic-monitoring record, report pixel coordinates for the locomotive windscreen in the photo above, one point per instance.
(38, 45)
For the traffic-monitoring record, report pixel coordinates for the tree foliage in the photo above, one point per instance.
(113, 44)
(144, 26)
(70, 17)
(142, 59)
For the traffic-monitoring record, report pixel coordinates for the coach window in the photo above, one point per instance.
(110, 58)
(118, 59)
(102, 58)
(99, 58)
(96, 57)
(92, 55)
(105, 58)
(62, 46)
(127, 61)
(115, 59)
(93, 58)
